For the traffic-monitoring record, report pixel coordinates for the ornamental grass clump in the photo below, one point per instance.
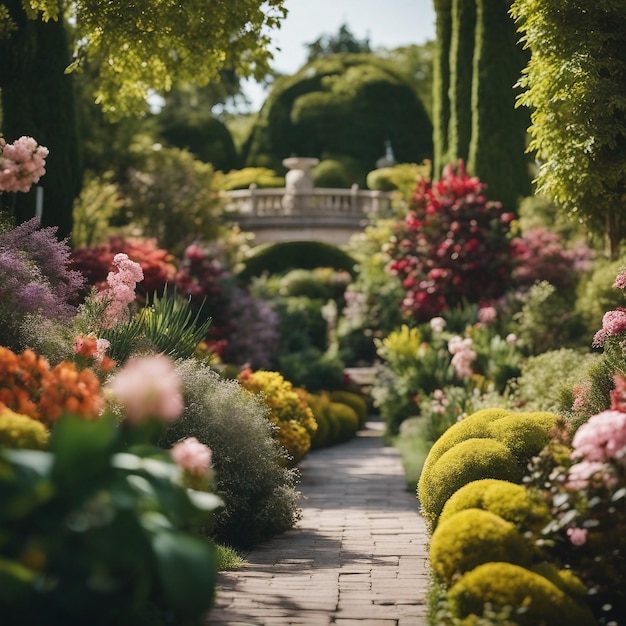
(472, 537)
(259, 493)
(288, 410)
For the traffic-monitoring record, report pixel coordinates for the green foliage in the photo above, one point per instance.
(20, 431)
(547, 378)
(346, 417)
(278, 258)
(260, 499)
(534, 599)
(333, 174)
(327, 432)
(200, 133)
(512, 502)
(471, 537)
(344, 105)
(99, 202)
(402, 177)
(322, 283)
(312, 368)
(353, 400)
(596, 295)
(262, 177)
(469, 460)
(343, 41)
(578, 107)
(110, 523)
(169, 195)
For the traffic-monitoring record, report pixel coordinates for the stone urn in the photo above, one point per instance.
(298, 181)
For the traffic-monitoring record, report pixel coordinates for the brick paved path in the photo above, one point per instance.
(358, 557)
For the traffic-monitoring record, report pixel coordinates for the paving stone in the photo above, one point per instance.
(358, 556)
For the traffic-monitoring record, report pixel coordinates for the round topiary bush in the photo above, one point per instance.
(465, 462)
(473, 426)
(512, 502)
(327, 431)
(347, 419)
(472, 537)
(525, 434)
(535, 600)
(357, 402)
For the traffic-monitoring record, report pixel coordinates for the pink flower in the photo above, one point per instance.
(601, 438)
(578, 536)
(121, 289)
(613, 323)
(620, 280)
(579, 474)
(192, 456)
(22, 164)
(487, 314)
(437, 324)
(511, 338)
(580, 391)
(148, 387)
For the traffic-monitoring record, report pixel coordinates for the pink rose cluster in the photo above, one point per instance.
(22, 164)
(613, 323)
(462, 355)
(121, 289)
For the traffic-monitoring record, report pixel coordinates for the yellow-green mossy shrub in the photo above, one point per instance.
(473, 537)
(512, 502)
(525, 434)
(465, 462)
(357, 402)
(475, 425)
(327, 429)
(347, 419)
(564, 579)
(21, 431)
(535, 600)
(288, 410)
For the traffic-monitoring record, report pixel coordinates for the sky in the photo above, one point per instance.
(386, 23)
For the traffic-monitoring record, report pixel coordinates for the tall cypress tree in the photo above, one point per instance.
(441, 84)
(461, 69)
(498, 145)
(38, 100)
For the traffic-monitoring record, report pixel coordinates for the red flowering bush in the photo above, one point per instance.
(452, 247)
(157, 264)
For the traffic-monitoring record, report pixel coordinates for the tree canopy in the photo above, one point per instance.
(574, 85)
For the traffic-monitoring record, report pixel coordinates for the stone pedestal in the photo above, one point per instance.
(298, 180)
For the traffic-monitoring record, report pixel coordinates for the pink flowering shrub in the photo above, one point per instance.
(120, 291)
(452, 247)
(539, 254)
(22, 164)
(148, 388)
(584, 481)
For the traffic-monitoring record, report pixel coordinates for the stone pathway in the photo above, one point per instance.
(358, 557)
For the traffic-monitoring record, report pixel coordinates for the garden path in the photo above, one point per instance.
(357, 557)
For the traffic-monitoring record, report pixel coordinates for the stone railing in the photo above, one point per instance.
(320, 204)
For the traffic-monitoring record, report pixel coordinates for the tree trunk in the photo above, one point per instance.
(38, 100)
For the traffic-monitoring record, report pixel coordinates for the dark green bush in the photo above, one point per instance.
(472, 537)
(279, 258)
(333, 174)
(535, 600)
(357, 402)
(311, 369)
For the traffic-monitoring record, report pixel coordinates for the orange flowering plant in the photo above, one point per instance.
(101, 527)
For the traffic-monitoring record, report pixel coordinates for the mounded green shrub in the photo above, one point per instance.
(259, 494)
(262, 177)
(525, 434)
(358, 403)
(472, 537)
(469, 460)
(512, 502)
(278, 258)
(536, 600)
(333, 174)
(327, 429)
(347, 419)
(474, 425)
(21, 431)
(564, 579)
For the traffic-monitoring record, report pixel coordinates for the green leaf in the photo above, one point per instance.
(204, 500)
(187, 570)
